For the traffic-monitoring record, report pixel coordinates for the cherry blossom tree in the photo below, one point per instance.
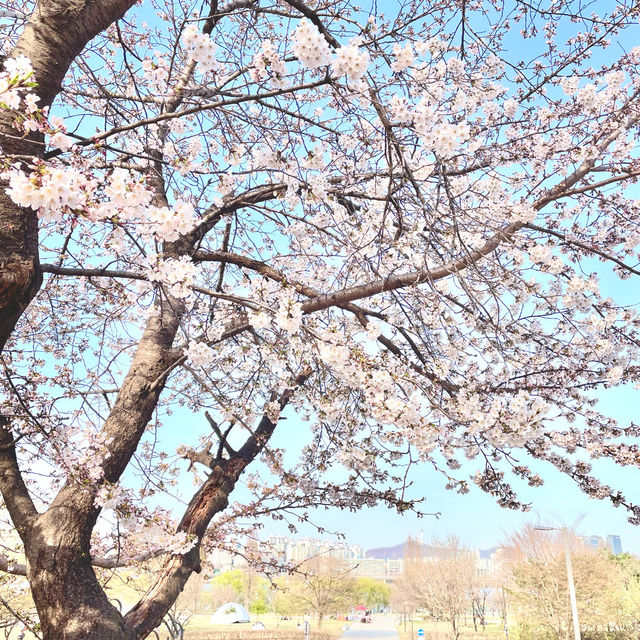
(400, 228)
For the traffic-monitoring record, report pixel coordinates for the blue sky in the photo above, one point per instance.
(479, 521)
(476, 517)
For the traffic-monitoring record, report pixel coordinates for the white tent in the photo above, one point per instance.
(230, 613)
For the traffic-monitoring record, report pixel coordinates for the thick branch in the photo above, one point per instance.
(211, 498)
(20, 568)
(14, 491)
(412, 278)
(132, 411)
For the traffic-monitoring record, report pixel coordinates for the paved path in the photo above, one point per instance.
(381, 627)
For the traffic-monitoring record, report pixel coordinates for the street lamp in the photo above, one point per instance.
(572, 589)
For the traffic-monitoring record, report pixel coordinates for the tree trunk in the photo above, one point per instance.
(55, 34)
(20, 275)
(454, 629)
(71, 603)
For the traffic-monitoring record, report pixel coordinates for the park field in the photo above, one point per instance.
(199, 628)
(442, 631)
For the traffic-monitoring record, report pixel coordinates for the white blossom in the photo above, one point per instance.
(310, 46)
(351, 61)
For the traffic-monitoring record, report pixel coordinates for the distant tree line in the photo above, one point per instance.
(526, 592)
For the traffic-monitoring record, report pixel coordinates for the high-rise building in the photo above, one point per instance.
(298, 550)
(593, 542)
(614, 544)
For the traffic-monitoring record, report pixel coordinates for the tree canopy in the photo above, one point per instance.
(220, 218)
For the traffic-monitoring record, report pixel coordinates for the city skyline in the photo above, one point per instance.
(291, 549)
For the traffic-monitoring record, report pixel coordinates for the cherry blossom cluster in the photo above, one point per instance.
(505, 422)
(169, 223)
(201, 48)
(126, 197)
(35, 119)
(352, 61)
(199, 353)
(289, 313)
(51, 190)
(55, 190)
(310, 46)
(156, 72)
(267, 63)
(146, 531)
(312, 50)
(16, 92)
(16, 82)
(403, 56)
(177, 274)
(176, 543)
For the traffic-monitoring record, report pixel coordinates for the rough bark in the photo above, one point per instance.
(20, 275)
(56, 33)
(70, 602)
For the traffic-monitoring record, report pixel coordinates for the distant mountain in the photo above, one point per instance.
(386, 552)
(394, 553)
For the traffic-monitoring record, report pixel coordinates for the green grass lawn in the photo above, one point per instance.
(270, 621)
(440, 630)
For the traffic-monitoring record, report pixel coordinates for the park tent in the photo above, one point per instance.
(230, 613)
